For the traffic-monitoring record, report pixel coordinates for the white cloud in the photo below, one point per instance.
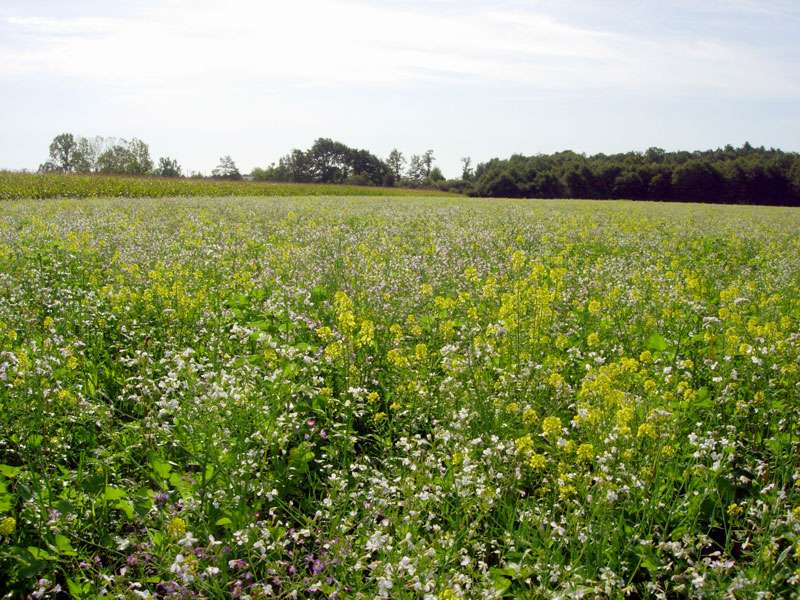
(198, 43)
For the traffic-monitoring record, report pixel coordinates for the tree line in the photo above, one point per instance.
(726, 175)
(118, 156)
(329, 161)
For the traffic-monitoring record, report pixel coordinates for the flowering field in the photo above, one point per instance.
(404, 398)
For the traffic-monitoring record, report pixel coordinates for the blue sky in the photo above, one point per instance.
(254, 78)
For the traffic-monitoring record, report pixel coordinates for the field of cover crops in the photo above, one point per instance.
(15, 186)
(398, 398)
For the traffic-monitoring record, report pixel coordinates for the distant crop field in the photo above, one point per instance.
(15, 186)
(398, 398)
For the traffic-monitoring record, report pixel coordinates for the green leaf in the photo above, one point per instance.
(78, 590)
(39, 553)
(224, 522)
(657, 343)
(63, 545)
(501, 584)
(113, 493)
(261, 325)
(9, 471)
(125, 507)
(160, 467)
(6, 499)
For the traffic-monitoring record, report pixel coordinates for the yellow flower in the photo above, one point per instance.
(517, 260)
(593, 339)
(395, 357)
(646, 356)
(567, 491)
(379, 417)
(342, 302)
(333, 351)
(366, 334)
(421, 352)
(647, 430)
(585, 452)
(537, 462)
(347, 322)
(72, 363)
(176, 527)
(734, 510)
(551, 426)
(530, 417)
(524, 444)
(594, 307)
(8, 526)
(396, 331)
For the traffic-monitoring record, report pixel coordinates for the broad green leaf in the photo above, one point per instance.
(9, 471)
(39, 553)
(160, 467)
(113, 493)
(63, 545)
(126, 507)
(656, 342)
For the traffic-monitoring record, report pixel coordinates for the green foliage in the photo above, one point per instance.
(226, 169)
(62, 152)
(126, 158)
(743, 175)
(168, 167)
(328, 161)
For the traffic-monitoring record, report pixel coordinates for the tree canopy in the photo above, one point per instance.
(727, 175)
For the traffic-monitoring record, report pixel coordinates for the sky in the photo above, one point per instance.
(198, 79)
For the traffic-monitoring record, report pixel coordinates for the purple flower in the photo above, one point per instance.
(317, 567)
(237, 564)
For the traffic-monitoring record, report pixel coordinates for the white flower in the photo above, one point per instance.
(376, 541)
(188, 540)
